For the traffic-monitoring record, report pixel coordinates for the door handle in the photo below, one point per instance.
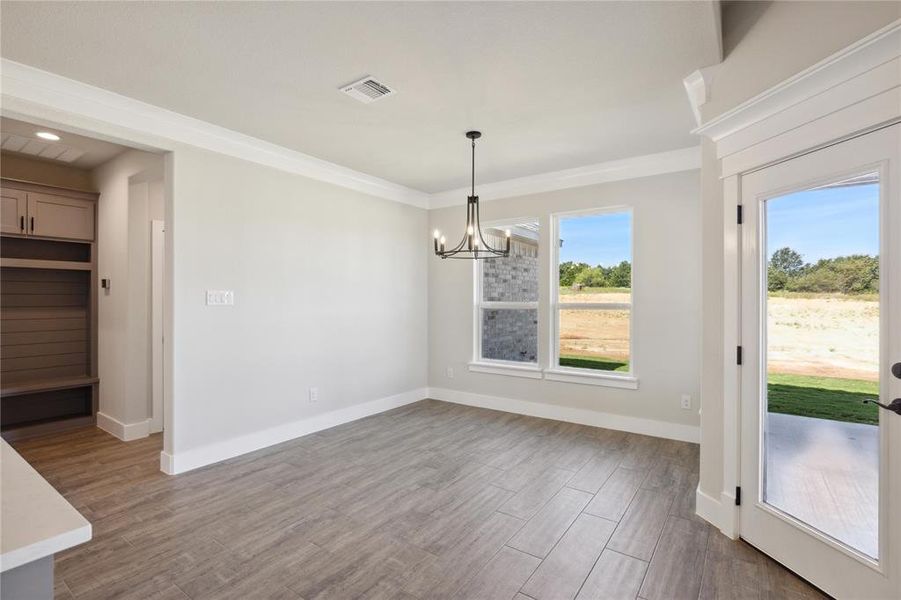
(32, 224)
(895, 405)
(22, 224)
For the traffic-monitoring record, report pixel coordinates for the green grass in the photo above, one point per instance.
(819, 397)
(865, 296)
(598, 364)
(823, 397)
(568, 291)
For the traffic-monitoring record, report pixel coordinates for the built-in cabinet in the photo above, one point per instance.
(48, 309)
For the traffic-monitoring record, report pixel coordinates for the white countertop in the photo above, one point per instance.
(35, 520)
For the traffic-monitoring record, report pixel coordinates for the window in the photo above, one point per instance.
(592, 294)
(507, 298)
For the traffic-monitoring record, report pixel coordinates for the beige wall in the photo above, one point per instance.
(765, 43)
(666, 298)
(330, 292)
(16, 166)
(123, 352)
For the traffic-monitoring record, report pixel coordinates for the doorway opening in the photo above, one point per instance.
(83, 272)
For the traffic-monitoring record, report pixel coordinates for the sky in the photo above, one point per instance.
(825, 223)
(822, 223)
(597, 239)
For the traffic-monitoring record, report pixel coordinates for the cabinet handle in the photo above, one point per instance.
(22, 224)
(32, 224)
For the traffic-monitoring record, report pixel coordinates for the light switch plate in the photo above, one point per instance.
(220, 297)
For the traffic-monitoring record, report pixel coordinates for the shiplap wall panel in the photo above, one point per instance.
(44, 318)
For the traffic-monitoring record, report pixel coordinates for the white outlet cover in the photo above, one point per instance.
(220, 298)
(314, 394)
(450, 372)
(686, 401)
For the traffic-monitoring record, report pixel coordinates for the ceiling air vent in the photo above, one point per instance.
(368, 90)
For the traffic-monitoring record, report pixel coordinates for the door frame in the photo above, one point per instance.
(157, 337)
(855, 90)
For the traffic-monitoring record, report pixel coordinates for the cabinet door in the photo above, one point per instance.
(12, 211)
(60, 217)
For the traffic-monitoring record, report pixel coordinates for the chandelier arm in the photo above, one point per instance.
(485, 244)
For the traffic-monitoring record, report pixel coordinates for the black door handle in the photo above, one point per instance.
(895, 405)
(896, 370)
(22, 224)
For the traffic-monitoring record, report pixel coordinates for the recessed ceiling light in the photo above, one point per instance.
(46, 135)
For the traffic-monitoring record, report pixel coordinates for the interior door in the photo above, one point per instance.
(820, 331)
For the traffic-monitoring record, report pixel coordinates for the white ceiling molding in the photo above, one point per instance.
(49, 99)
(673, 161)
(868, 53)
(31, 92)
(855, 90)
(697, 86)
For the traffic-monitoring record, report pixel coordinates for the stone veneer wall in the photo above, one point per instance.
(511, 334)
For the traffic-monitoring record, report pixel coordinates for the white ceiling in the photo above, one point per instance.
(75, 150)
(551, 85)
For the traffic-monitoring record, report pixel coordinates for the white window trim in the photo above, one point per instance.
(530, 370)
(554, 372)
(509, 368)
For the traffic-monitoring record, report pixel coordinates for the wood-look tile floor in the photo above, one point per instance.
(432, 500)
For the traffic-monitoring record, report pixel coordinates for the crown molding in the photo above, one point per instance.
(685, 159)
(868, 53)
(28, 92)
(697, 86)
(40, 96)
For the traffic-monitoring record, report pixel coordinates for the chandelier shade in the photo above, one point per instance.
(473, 245)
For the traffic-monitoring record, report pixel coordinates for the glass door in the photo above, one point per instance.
(820, 329)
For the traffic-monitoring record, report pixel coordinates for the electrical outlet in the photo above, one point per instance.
(686, 401)
(450, 372)
(314, 395)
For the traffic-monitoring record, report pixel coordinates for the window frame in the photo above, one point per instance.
(555, 372)
(479, 364)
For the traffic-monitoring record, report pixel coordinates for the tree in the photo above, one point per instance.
(592, 277)
(569, 271)
(621, 275)
(788, 261)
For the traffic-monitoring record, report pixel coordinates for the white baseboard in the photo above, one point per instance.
(167, 464)
(124, 431)
(663, 429)
(722, 513)
(187, 460)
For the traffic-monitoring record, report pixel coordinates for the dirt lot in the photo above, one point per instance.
(830, 337)
(600, 333)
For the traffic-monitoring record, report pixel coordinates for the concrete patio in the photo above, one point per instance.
(826, 473)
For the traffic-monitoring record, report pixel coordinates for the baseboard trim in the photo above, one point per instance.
(167, 464)
(722, 513)
(188, 460)
(662, 429)
(124, 431)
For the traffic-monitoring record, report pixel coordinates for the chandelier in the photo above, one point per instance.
(473, 244)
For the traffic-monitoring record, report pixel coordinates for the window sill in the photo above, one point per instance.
(527, 371)
(571, 376)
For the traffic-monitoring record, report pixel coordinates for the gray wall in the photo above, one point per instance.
(330, 292)
(666, 297)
